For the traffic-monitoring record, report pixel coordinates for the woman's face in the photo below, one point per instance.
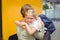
(29, 18)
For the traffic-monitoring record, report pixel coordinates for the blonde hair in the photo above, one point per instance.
(25, 9)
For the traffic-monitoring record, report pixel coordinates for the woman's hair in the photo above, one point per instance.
(25, 9)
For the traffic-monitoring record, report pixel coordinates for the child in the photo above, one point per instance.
(31, 27)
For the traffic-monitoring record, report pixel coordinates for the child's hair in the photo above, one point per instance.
(25, 9)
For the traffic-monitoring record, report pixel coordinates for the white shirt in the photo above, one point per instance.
(23, 34)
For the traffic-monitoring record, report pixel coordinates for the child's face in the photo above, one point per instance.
(29, 19)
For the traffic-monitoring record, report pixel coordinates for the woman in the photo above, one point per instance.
(31, 26)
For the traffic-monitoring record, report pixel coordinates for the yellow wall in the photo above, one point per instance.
(10, 13)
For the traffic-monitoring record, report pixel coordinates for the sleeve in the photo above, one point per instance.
(18, 29)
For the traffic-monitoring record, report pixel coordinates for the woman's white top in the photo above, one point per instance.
(24, 35)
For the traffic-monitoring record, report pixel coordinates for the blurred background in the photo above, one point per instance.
(51, 8)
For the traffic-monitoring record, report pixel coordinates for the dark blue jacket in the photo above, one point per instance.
(48, 23)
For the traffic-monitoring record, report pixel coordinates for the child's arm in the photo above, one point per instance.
(31, 31)
(39, 19)
(21, 24)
